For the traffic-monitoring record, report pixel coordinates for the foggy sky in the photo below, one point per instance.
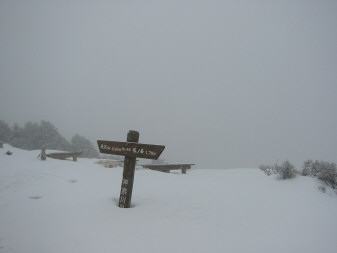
(223, 84)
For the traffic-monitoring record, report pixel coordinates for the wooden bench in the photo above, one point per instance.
(64, 155)
(168, 167)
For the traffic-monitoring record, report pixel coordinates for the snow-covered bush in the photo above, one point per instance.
(285, 170)
(329, 176)
(324, 171)
(268, 169)
(306, 168)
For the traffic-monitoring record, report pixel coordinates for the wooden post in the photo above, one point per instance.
(1, 145)
(128, 174)
(183, 170)
(43, 153)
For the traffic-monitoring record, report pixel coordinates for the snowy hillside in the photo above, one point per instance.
(58, 206)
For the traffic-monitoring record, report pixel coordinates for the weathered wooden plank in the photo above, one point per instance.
(169, 167)
(64, 155)
(147, 151)
(128, 174)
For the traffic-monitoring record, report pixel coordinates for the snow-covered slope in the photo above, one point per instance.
(58, 206)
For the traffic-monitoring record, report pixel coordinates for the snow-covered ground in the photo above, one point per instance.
(58, 206)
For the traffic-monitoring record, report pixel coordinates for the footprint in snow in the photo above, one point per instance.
(35, 197)
(73, 181)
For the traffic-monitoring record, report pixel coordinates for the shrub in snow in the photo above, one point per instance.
(329, 176)
(322, 188)
(324, 171)
(285, 170)
(268, 169)
(306, 168)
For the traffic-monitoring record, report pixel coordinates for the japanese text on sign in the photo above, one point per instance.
(147, 151)
(125, 149)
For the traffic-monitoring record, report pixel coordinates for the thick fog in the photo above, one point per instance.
(221, 84)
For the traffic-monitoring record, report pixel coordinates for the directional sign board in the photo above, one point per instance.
(130, 149)
(147, 151)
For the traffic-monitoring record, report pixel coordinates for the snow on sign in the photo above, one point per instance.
(147, 151)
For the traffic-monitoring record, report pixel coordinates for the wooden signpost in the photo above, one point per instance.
(130, 149)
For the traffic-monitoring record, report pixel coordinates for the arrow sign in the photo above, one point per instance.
(147, 151)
